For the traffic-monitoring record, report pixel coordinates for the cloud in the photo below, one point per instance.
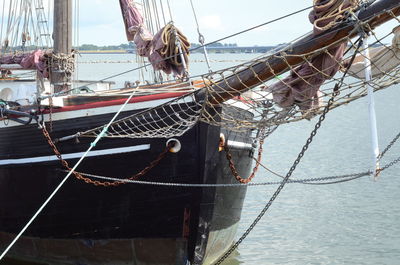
(212, 22)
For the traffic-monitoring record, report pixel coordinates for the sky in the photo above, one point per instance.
(101, 22)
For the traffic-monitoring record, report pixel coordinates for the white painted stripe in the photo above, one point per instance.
(76, 155)
(239, 145)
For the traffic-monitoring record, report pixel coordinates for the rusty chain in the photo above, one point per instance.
(397, 160)
(233, 168)
(285, 180)
(335, 92)
(311, 181)
(51, 114)
(79, 176)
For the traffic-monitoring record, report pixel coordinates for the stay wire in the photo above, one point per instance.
(254, 27)
(2, 26)
(190, 50)
(195, 17)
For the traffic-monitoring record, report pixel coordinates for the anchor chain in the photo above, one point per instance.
(335, 92)
(310, 181)
(233, 168)
(51, 114)
(285, 180)
(103, 183)
(397, 160)
(389, 146)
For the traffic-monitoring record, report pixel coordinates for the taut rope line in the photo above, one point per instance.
(92, 145)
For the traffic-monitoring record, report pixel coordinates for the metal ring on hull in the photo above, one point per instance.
(176, 145)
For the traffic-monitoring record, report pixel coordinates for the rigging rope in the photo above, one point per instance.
(260, 108)
(92, 145)
(201, 38)
(1, 27)
(190, 50)
(327, 108)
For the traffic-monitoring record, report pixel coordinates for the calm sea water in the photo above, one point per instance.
(357, 222)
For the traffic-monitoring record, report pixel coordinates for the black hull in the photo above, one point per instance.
(128, 224)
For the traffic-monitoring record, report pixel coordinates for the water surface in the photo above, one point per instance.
(349, 223)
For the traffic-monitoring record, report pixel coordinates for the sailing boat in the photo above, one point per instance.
(160, 171)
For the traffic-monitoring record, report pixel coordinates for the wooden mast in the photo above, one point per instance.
(375, 15)
(62, 35)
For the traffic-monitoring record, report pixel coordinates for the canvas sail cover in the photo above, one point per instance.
(383, 59)
(161, 49)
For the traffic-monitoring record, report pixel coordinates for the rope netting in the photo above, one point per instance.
(277, 88)
(173, 118)
(295, 95)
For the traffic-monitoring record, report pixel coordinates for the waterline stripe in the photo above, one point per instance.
(103, 152)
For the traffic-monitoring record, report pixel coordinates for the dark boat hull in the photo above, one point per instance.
(128, 224)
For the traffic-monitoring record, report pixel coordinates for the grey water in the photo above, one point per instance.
(356, 222)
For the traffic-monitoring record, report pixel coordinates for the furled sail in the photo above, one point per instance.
(164, 49)
(302, 85)
(36, 60)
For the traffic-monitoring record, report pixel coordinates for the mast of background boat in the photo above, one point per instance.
(62, 35)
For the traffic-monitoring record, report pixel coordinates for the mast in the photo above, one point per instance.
(62, 35)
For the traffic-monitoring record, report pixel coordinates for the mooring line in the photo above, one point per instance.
(92, 145)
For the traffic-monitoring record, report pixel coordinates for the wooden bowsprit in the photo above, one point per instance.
(369, 18)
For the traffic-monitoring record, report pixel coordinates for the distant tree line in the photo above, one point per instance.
(131, 45)
(92, 47)
(216, 44)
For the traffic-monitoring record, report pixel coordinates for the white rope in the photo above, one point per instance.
(371, 110)
(92, 145)
(76, 31)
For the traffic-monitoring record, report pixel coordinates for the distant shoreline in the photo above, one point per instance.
(219, 49)
(105, 52)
